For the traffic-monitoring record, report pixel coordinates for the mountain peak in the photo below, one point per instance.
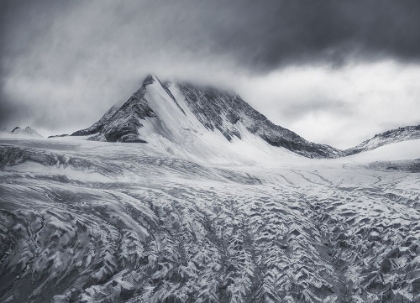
(198, 121)
(150, 79)
(27, 132)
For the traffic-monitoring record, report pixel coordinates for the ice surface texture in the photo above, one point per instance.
(84, 221)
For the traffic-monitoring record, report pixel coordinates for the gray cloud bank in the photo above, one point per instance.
(63, 63)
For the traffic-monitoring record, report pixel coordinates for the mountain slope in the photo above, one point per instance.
(26, 132)
(172, 115)
(389, 137)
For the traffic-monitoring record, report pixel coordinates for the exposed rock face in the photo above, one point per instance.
(122, 124)
(58, 136)
(388, 137)
(216, 111)
(223, 111)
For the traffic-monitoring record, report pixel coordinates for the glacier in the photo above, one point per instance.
(169, 199)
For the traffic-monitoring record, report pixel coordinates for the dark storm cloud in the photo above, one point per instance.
(255, 34)
(63, 63)
(263, 34)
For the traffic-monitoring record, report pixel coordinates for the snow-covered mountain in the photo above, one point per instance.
(26, 132)
(389, 137)
(183, 118)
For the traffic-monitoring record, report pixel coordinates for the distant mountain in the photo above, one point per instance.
(58, 136)
(391, 136)
(189, 116)
(22, 132)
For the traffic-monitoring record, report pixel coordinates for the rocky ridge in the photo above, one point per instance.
(391, 136)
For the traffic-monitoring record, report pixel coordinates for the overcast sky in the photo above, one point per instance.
(335, 72)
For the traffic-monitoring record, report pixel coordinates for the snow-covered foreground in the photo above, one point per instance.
(88, 221)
